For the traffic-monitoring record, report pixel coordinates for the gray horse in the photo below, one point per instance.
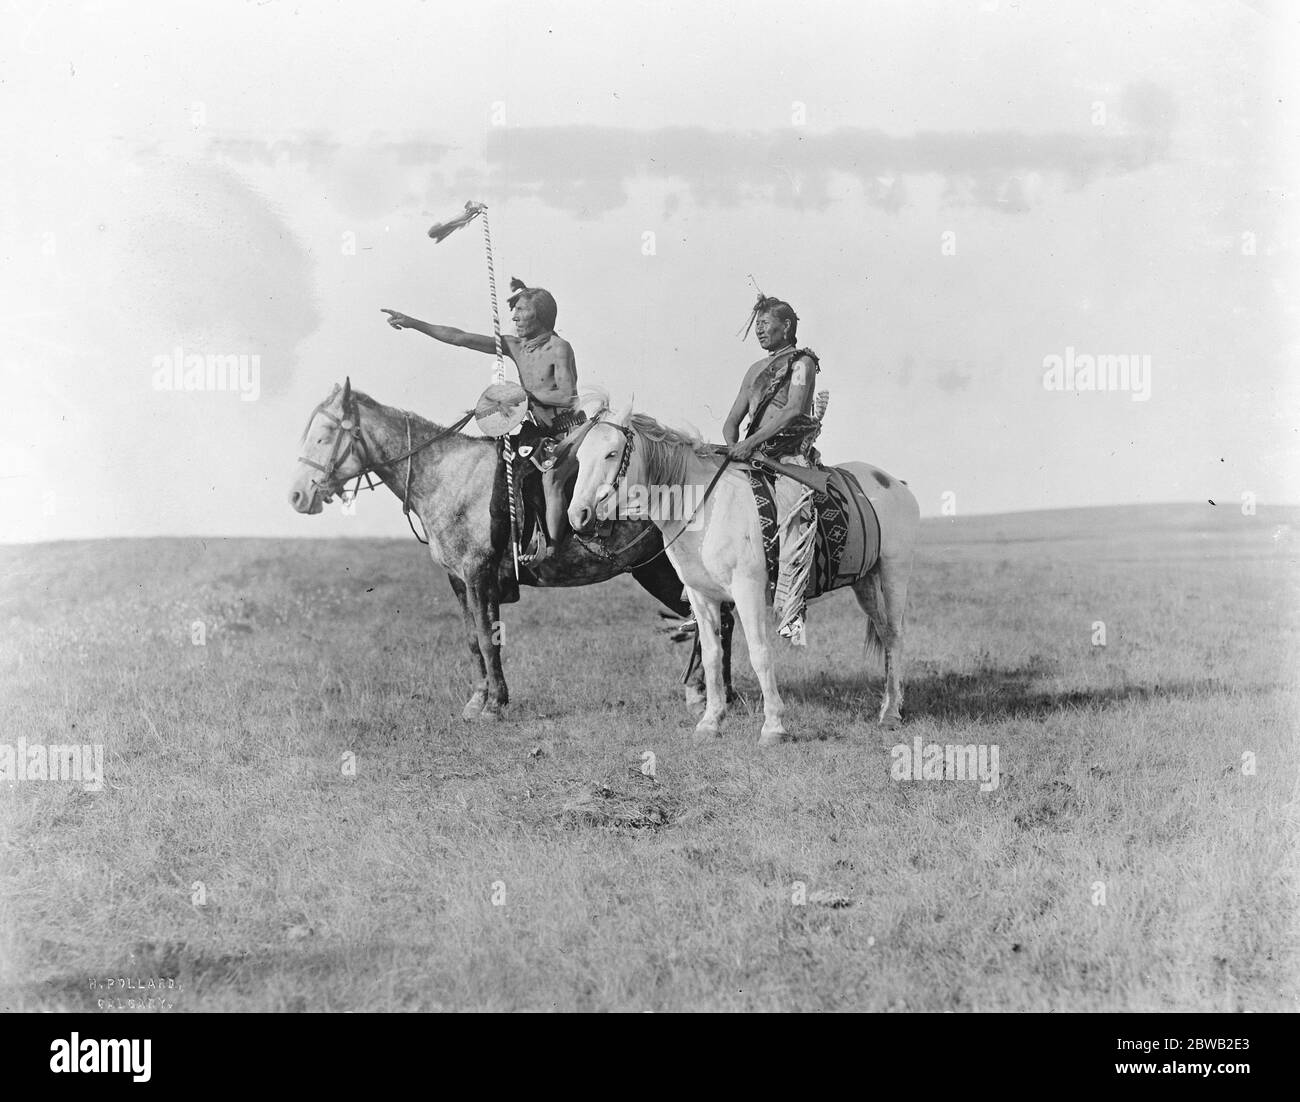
(449, 480)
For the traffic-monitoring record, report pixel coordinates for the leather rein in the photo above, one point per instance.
(349, 429)
(629, 439)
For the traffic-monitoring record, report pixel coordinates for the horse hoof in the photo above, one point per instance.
(492, 712)
(772, 738)
(706, 732)
(473, 706)
(890, 723)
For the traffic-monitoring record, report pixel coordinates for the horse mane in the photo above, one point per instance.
(361, 398)
(665, 450)
(417, 421)
(593, 400)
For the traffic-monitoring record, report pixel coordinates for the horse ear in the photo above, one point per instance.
(622, 417)
(347, 390)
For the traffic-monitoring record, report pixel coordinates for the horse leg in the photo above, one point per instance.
(474, 705)
(660, 580)
(696, 696)
(694, 679)
(484, 608)
(707, 615)
(883, 596)
(728, 626)
(751, 606)
(894, 575)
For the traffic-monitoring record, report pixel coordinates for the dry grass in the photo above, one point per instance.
(330, 892)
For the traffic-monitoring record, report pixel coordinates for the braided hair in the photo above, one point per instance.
(778, 308)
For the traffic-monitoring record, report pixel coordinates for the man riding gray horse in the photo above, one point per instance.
(549, 373)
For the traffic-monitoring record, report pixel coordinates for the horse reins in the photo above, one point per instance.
(356, 441)
(624, 463)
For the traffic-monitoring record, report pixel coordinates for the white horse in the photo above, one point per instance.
(717, 546)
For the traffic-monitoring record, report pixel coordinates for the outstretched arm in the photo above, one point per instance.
(448, 334)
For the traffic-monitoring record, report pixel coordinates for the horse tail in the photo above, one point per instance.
(875, 646)
(873, 603)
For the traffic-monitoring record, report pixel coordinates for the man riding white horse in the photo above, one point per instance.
(777, 395)
(548, 372)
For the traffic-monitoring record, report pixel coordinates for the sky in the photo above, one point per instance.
(959, 199)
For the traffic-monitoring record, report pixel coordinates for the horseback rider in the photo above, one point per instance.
(547, 370)
(778, 395)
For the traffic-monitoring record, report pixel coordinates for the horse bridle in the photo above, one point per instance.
(348, 427)
(626, 460)
(624, 463)
(344, 429)
(597, 543)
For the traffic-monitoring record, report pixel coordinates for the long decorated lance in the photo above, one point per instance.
(439, 232)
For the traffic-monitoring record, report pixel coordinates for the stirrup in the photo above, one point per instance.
(539, 549)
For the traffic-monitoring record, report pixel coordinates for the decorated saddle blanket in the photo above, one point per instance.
(847, 545)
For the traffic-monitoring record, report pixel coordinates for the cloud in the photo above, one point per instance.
(587, 170)
(366, 179)
(162, 253)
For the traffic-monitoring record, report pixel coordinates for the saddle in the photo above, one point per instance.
(536, 445)
(534, 453)
(847, 541)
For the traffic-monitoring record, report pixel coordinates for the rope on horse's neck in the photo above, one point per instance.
(370, 465)
(726, 461)
(624, 464)
(406, 492)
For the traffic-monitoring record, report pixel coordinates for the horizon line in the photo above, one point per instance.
(1263, 506)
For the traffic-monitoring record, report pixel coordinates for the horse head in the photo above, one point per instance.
(603, 448)
(333, 446)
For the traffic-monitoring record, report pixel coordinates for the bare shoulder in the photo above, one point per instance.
(803, 368)
(563, 347)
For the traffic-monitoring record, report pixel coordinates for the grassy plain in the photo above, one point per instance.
(532, 865)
